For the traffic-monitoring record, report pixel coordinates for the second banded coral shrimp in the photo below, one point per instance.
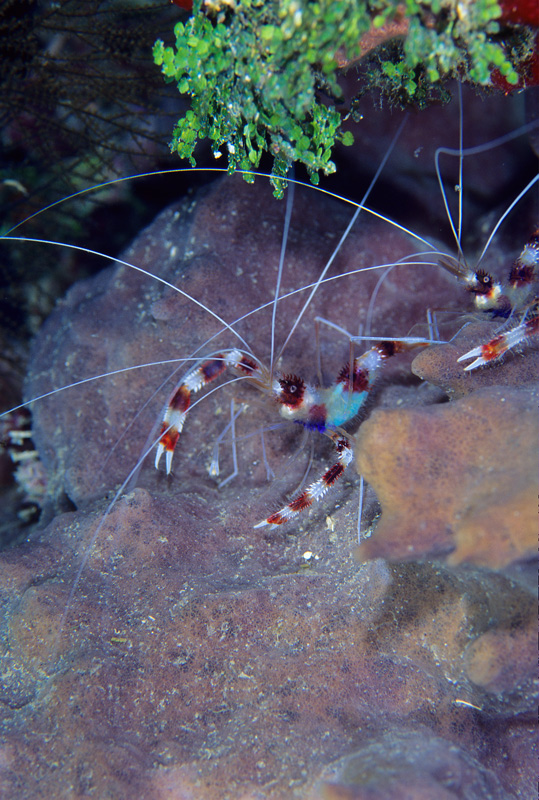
(223, 253)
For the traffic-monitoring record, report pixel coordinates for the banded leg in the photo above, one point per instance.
(492, 351)
(200, 376)
(318, 489)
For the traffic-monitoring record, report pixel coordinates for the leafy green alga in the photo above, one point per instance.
(261, 75)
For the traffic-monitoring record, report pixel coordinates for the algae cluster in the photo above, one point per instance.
(263, 76)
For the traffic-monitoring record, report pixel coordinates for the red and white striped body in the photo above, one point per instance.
(516, 299)
(324, 409)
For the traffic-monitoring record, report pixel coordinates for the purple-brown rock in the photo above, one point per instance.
(457, 479)
(198, 657)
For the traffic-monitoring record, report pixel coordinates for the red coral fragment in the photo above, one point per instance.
(521, 12)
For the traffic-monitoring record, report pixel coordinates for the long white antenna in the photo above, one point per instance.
(505, 213)
(477, 150)
(461, 163)
(288, 216)
(460, 154)
(345, 234)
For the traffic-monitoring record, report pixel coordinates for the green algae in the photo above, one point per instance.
(262, 76)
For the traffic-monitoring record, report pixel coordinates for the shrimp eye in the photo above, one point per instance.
(292, 390)
(482, 282)
(483, 277)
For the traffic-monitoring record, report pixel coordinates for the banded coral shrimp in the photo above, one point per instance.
(179, 591)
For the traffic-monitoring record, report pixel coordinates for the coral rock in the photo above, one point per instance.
(458, 479)
(411, 765)
(199, 659)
